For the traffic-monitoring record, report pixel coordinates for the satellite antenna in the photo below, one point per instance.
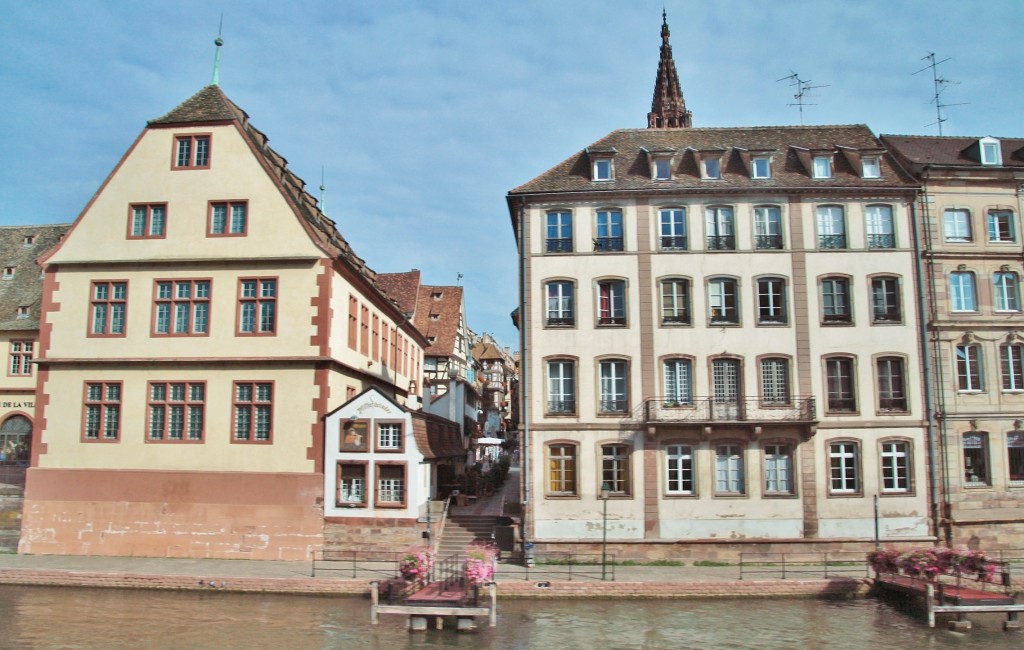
(940, 87)
(803, 87)
(215, 81)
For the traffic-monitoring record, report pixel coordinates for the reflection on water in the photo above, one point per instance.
(49, 617)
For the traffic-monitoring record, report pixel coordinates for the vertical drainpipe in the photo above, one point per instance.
(524, 382)
(926, 296)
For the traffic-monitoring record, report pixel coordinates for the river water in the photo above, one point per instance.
(66, 618)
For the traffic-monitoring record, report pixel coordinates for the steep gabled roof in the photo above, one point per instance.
(208, 105)
(438, 316)
(951, 151)
(786, 144)
(25, 287)
(436, 437)
(403, 288)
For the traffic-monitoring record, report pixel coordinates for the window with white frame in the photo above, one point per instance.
(678, 382)
(561, 387)
(177, 411)
(775, 381)
(108, 308)
(831, 227)
(1015, 456)
(149, 221)
(840, 385)
(835, 301)
(725, 380)
(560, 310)
(729, 472)
(675, 301)
(228, 218)
(257, 306)
(821, 167)
(844, 467)
(609, 231)
(662, 169)
(253, 411)
(880, 232)
(389, 436)
(968, 368)
(679, 475)
(602, 169)
(885, 300)
(1000, 227)
(976, 466)
(1011, 366)
(719, 229)
(673, 229)
(192, 151)
(767, 227)
(390, 485)
(615, 468)
(771, 301)
(778, 469)
(614, 397)
(561, 470)
(892, 394)
(102, 415)
(991, 152)
(558, 233)
(351, 484)
(1005, 288)
(723, 301)
(611, 302)
(761, 167)
(182, 308)
(962, 292)
(871, 167)
(896, 476)
(956, 225)
(19, 362)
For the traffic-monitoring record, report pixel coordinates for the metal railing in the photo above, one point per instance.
(744, 409)
(356, 563)
(768, 242)
(673, 243)
(837, 564)
(832, 241)
(881, 241)
(560, 566)
(559, 245)
(721, 242)
(608, 244)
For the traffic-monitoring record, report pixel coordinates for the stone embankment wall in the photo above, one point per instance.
(10, 522)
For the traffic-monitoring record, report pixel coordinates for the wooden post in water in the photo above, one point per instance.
(493, 616)
(374, 601)
(929, 602)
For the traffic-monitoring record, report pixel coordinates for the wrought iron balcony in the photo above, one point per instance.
(888, 315)
(768, 242)
(608, 244)
(721, 242)
(559, 245)
(560, 321)
(563, 407)
(744, 409)
(832, 241)
(673, 243)
(881, 241)
(614, 406)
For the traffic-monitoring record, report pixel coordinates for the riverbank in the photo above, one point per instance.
(294, 577)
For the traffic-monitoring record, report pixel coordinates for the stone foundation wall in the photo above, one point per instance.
(990, 536)
(369, 534)
(10, 522)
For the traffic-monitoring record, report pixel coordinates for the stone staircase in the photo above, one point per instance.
(462, 530)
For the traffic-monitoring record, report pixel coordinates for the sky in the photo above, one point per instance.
(421, 115)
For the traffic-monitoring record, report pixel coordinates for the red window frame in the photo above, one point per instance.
(228, 226)
(19, 362)
(110, 302)
(190, 161)
(187, 402)
(147, 224)
(108, 404)
(251, 402)
(174, 302)
(258, 301)
(377, 475)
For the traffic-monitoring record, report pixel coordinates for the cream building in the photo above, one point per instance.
(720, 341)
(200, 319)
(970, 232)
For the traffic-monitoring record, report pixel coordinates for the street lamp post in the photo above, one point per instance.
(605, 490)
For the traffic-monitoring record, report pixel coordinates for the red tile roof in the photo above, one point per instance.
(403, 288)
(953, 151)
(436, 437)
(438, 315)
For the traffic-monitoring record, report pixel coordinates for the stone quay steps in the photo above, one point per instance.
(462, 530)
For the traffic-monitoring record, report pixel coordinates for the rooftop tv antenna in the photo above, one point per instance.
(940, 87)
(803, 87)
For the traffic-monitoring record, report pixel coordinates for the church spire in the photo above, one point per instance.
(668, 108)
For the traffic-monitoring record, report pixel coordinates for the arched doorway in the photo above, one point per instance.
(15, 450)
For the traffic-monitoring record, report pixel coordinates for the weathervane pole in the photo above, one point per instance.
(215, 81)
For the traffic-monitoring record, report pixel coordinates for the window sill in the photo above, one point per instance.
(675, 324)
(845, 414)
(389, 506)
(730, 495)
(688, 495)
(846, 495)
(779, 495)
(563, 497)
(893, 493)
(772, 323)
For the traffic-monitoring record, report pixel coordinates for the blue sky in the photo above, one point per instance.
(424, 114)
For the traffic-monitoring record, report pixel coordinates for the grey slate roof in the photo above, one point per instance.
(25, 288)
(791, 148)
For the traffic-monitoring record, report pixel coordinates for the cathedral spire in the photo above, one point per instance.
(668, 108)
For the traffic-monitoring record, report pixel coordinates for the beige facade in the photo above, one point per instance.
(200, 319)
(970, 231)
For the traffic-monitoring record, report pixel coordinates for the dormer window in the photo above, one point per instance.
(871, 167)
(761, 167)
(711, 168)
(436, 295)
(603, 169)
(8, 272)
(662, 169)
(22, 312)
(822, 167)
(990, 151)
(29, 240)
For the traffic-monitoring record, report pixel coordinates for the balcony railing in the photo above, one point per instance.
(888, 315)
(768, 242)
(561, 321)
(563, 407)
(614, 405)
(673, 243)
(832, 241)
(608, 244)
(721, 242)
(559, 245)
(881, 241)
(744, 409)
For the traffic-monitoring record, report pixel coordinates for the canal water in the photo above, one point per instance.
(67, 618)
